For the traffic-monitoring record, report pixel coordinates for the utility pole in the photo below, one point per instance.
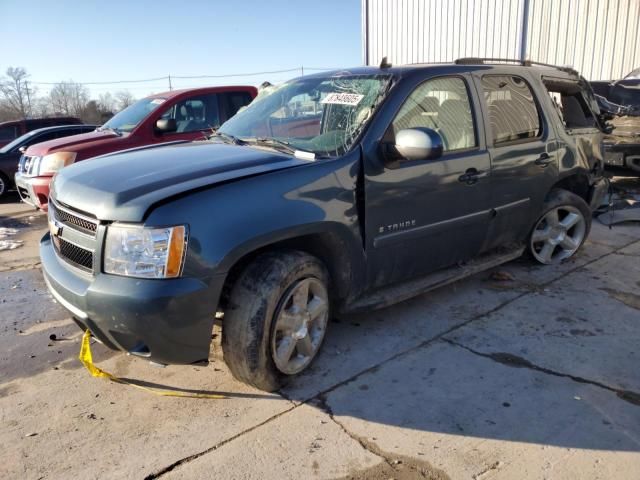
(26, 86)
(169, 77)
(524, 30)
(302, 70)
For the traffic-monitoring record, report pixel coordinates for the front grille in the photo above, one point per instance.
(82, 224)
(75, 255)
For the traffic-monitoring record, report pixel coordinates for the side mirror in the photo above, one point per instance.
(419, 144)
(166, 125)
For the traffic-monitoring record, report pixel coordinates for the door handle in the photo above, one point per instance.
(471, 176)
(543, 160)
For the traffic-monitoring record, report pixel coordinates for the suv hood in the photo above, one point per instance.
(75, 143)
(124, 186)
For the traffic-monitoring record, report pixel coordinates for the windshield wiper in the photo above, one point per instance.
(274, 142)
(277, 144)
(226, 138)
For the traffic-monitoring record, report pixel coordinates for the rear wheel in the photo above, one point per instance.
(561, 229)
(276, 319)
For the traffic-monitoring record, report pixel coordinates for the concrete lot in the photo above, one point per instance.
(530, 375)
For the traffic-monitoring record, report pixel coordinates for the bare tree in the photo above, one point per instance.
(41, 107)
(69, 98)
(124, 98)
(106, 102)
(16, 92)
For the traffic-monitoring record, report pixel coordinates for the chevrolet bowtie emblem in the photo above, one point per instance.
(55, 228)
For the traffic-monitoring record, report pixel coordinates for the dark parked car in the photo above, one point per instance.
(10, 153)
(13, 129)
(338, 192)
(176, 116)
(621, 97)
(620, 102)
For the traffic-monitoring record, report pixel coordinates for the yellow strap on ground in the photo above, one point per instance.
(87, 360)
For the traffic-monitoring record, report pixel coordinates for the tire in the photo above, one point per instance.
(4, 185)
(264, 320)
(561, 229)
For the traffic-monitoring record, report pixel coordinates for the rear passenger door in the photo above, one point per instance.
(523, 154)
(422, 215)
(231, 102)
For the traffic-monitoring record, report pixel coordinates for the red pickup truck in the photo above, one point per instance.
(176, 116)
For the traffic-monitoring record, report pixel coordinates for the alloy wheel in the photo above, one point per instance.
(300, 325)
(558, 234)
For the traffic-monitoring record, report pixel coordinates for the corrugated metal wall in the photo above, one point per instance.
(600, 38)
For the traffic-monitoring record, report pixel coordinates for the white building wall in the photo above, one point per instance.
(600, 38)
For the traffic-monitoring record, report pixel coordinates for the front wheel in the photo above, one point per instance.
(276, 319)
(561, 229)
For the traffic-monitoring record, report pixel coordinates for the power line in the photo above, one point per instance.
(187, 77)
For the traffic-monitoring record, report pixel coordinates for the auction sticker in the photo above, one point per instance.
(342, 98)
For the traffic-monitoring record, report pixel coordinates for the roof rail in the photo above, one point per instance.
(525, 63)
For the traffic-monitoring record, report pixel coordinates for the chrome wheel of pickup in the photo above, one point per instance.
(558, 234)
(3, 186)
(300, 325)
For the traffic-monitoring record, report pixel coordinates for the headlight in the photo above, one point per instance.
(50, 164)
(136, 251)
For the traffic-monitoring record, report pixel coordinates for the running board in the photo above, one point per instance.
(403, 291)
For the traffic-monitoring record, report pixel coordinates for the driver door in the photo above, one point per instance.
(196, 118)
(423, 215)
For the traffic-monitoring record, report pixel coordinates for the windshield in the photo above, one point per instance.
(130, 117)
(10, 146)
(319, 115)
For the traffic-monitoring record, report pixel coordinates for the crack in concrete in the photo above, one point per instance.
(516, 361)
(394, 462)
(182, 461)
(631, 397)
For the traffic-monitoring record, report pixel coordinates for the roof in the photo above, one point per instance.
(27, 120)
(460, 65)
(174, 93)
(61, 127)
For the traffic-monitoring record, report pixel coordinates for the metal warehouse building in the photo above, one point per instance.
(600, 38)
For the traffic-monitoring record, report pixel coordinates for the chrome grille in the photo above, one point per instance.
(73, 235)
(75, 255)
(80, 223)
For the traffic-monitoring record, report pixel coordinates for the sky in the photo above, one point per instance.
(93, 41)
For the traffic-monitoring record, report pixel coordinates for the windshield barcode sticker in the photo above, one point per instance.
(342, 98)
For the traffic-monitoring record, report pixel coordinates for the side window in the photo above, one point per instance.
(7, 133)
(234, 101)
(44, 137)
(513, 112)
(443, 105)
(570, 104)
(195, 114)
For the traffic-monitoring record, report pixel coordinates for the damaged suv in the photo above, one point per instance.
(338, 192)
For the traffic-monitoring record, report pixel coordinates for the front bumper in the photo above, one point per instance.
(167, 321)
(33, 190)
